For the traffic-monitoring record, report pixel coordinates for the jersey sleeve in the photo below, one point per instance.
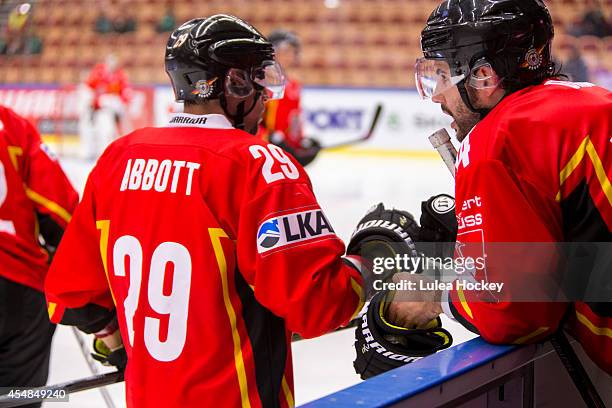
(290, 255)
(45, 183)
(76, 286)
(500, 230)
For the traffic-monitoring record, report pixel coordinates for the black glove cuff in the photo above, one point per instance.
(381, 346)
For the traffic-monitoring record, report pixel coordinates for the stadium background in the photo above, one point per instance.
(355, 53)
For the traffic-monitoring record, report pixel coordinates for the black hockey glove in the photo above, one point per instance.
(382, 233)
(104, 355)
(381, 346)
(438, 225)
(309, 150)
(108, 346)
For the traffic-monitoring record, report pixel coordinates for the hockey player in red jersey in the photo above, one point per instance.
(202, 242)
(36, 202)
(282, 121)
(534, 166)
(106, 94)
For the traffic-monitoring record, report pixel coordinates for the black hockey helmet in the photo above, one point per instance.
(202, 51)
(513, 36)
(280, 36)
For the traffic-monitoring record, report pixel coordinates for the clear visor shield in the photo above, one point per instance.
(270, 76)
(433, 77)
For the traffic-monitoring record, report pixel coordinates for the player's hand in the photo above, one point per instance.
(310, 148)
(438, 221)
(382, 233)
(438, 226)
(381, 346)
(414, 308)
(108, 346)
(108, 357)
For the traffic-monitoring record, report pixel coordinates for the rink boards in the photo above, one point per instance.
(471, 374)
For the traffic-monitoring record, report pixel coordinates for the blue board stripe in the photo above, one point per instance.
(411, 379)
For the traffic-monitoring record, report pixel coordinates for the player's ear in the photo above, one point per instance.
(483, 77)
(487, 75)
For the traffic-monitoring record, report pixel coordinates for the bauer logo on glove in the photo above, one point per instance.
(381, 346)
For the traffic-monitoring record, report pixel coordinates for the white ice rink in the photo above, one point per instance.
(346, 186)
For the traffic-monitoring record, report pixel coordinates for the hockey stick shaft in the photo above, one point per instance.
(68, 387)
(93, 368)
(440, 140)
(88, 383)
(364, 137)
(576, 370)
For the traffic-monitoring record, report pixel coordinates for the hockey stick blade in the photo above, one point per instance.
(364, 137)
(69, 387)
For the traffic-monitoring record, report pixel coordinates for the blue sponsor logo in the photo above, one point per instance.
(268, 234)
(292, 228)
(340, 119)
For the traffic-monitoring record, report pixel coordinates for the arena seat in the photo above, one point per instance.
(385, 30)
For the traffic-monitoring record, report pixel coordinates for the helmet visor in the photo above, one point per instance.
(270, 76)
(433, 77)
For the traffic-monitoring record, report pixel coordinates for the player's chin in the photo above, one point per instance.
(460, 134)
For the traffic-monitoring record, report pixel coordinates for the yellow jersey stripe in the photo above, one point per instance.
(357, 288)
(600, 331)
(531, 335)
(600, 172)
(575, 160)
(52, 206)
(287, 392)
(13, 152)
(215, 236)
(464, 303)
(104, 227)
(51, 309)
(586, 148)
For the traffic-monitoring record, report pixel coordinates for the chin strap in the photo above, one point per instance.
(238, 118)
(468, 103)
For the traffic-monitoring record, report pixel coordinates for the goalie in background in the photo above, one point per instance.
(104, 95)
(282, 122)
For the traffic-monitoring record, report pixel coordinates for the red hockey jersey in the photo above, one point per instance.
(215, 250)
(284, 115)
(536, 169)
(104, 81)
(31, 182)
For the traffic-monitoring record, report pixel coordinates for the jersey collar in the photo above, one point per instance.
(212, 121)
